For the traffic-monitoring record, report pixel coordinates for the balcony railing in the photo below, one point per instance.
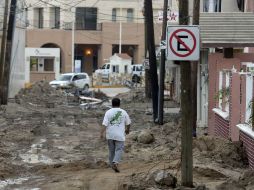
(83, 26)
(63, 25)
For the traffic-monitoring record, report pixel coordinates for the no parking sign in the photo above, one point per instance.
(183, 43)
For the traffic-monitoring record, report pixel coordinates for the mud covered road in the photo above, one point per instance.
(58, 147)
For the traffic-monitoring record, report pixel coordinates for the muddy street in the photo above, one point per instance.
(59, 147)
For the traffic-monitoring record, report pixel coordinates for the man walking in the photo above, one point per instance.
(116, 122)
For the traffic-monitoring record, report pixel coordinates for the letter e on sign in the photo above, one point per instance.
(183, 43)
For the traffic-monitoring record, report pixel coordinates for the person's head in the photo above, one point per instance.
(115, 102)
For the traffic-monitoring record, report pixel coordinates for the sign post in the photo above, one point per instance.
(183, 43)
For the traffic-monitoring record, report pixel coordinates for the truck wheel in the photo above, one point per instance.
(86, 87)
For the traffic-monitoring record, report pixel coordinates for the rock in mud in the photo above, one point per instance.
(163, 177)
(133, 135)
(146, 137)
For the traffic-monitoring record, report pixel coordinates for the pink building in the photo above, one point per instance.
(231, 72)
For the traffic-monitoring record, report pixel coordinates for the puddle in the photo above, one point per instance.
(34, 156)
(18, 181)
(7, 182)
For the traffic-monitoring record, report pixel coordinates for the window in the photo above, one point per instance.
(48, 64)
(114, 15)
(129, 15)
(212, 6)
(224, 90)
(115, 68)
(33, 64)
(41, 64)
(125, 69)
(82, 77)
(38, 17)
(75, 78)
(86, 18)
(55, 17)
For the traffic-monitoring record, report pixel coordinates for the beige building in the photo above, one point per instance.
(100, 26)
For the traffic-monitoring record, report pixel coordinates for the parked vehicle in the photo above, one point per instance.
(79, 80)
(109, 68)
(137, 72)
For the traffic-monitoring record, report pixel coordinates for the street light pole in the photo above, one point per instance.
(73, 42)
(120, 31)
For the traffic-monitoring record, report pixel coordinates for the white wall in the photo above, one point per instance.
(17, 69)
(41, 53)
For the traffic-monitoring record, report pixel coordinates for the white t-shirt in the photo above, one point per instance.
(115, 120)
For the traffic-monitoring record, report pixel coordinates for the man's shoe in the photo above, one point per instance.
(115, 168)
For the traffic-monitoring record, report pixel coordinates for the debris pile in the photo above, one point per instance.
(39, 94)
(221, 151)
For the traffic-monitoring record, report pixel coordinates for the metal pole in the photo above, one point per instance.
(73, 42)
(120, 31)
(186, 128)
(162, 66)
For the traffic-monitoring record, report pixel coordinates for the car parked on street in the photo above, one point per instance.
(67, 80)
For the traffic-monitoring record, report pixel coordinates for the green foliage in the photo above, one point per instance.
(223, 94)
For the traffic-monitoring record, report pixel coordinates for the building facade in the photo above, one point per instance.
(90, 31)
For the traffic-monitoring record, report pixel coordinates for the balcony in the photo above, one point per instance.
(82, 26)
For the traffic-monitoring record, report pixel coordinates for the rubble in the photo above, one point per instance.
(164, 178)
(145, 137)
(40, 94)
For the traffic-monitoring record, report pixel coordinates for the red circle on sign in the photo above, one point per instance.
(190, 50)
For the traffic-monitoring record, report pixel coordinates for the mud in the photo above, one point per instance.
(60, 148)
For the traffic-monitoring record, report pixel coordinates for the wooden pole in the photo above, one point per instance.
(152, 56)
(162, 65)
(186, 128)
(3, 47)
(7, 63)
(148, 93)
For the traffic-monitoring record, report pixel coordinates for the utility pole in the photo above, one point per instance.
(7, 63)
(152, 56)
(148, 93)
(194, 72)
(3, 46)
(162, 65)
(186, 128)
